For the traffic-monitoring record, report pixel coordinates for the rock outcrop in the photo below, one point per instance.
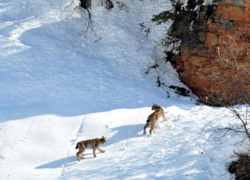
(216, 64)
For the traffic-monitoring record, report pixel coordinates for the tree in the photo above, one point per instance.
(229, 54)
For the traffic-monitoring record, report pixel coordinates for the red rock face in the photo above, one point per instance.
(220, 65)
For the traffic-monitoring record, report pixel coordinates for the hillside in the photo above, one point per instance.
(61, 85)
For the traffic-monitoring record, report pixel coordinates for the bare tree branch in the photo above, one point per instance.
(228, 54)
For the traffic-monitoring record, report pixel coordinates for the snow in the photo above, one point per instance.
(208, 2)
(59, 87)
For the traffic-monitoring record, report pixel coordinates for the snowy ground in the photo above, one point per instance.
(59, 87)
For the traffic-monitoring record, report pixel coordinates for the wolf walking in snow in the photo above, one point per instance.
(152, 118)
(89, 144)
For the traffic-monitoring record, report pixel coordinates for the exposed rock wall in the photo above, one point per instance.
(209, 68)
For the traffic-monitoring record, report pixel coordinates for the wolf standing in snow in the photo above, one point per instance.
(152, 118)
(89, 144)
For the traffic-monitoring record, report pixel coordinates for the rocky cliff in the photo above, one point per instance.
(214, 57)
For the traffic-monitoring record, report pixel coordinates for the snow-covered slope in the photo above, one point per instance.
(185, 147)
(47, 60)
(59, 87)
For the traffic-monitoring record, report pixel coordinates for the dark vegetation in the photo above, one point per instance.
(241, 167)
(180, 90)
(186, 21)
(86, 5)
